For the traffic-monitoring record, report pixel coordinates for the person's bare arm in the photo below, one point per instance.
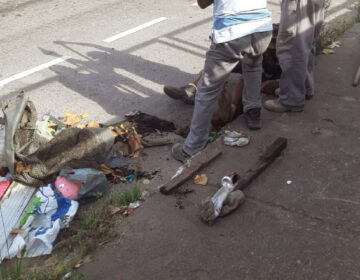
(204, 3)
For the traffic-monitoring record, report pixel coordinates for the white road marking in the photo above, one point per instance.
(33, 70)
(135, 29)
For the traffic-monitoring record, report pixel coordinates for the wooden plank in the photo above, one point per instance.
(12, 208)
(269, 155)
(190, 169)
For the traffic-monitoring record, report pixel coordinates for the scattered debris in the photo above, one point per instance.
(164, 138)
(130, 178)
(191, 168)
(72, 120)
(67, 276)
(327, 51)
(114, 210)
(211, 207)
(93, 124)
(135, 144)
(335, 44)
(78, 265)
(201, 180)
(179, 171)
(86, 183)
(146, 124)
(68, 189)
(128, 212)
(134, 205)
(46, 216)
(233, 138)
(64, 153)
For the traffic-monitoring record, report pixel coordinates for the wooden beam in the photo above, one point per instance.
(191, 168)
(269, 155)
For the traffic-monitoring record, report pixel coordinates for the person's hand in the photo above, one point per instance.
(204, 3)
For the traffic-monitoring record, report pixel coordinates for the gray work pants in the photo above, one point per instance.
(300, 25)
(220, 61)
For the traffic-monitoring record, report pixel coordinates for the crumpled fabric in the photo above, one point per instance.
(20, 123)
(231, 203)
(73, 148)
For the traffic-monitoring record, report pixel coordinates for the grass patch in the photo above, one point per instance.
(93, 225)
(326, 38)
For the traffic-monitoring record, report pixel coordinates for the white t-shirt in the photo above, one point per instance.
(237, 18)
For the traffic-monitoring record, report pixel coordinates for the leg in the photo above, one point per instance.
(252, 66)
(218, 65)
(295, 50)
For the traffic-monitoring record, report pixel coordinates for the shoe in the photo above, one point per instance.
(178, 153)
(276, 106)
(252, 118)
(185, 93)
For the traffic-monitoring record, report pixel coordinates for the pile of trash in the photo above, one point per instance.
(63, 161)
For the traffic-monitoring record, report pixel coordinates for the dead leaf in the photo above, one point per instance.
(106, 170)
(135, 144)
(201, 180)
(114, 133)
(327, 51)
(81, 126)
(22, 168)
(76, 266)
(17, 231)
(114, 210)
(93, 124)
(73, 119)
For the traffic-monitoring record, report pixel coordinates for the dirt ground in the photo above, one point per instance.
(308, 229)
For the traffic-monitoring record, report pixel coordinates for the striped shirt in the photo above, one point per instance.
(237, 18)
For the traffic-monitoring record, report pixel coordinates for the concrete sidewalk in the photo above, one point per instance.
(306, 230)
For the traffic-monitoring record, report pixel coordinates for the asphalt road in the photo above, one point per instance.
(104, 79)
